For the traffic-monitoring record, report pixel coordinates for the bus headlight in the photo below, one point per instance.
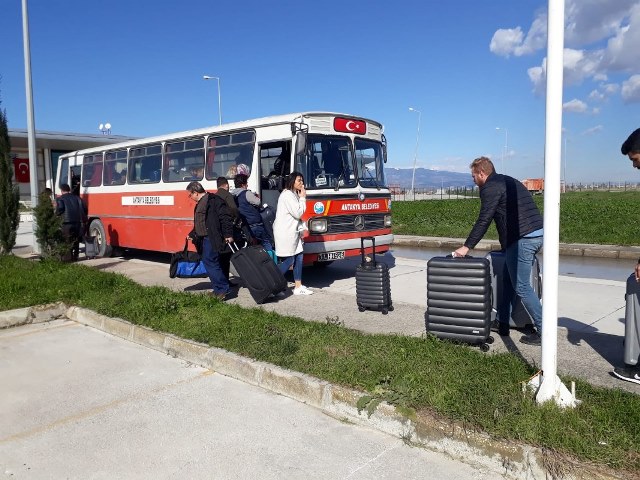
(318, 225)
(387, 220)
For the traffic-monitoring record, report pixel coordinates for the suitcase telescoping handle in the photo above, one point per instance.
(233, 245)
(373, 248)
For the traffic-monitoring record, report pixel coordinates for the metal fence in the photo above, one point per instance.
(432, 193)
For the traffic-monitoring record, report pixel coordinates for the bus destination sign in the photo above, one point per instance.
(151, 200)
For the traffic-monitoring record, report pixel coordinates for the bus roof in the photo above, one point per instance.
(263, 121)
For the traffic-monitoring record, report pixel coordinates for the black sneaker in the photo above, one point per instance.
(531, 339)
(501, 328)
(630, 374)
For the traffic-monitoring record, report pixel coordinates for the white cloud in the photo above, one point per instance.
(506, 42)
(631, 89)
(602, 37)
(596, 95)
(575, 106)
(593, 130)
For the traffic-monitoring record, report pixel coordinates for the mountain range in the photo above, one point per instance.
(426, 178)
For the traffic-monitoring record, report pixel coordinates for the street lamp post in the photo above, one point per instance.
(505, 149)
(209, 77)
(415, 155)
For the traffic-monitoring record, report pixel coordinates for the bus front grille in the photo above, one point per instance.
(355, 223)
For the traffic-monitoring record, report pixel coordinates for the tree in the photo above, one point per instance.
(48, 229)
(9, 193)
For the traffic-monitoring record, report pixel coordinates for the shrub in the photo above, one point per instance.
(48, 229)
(9, 194)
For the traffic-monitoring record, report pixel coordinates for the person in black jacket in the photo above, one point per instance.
(631, 148)
(510, 205)
(74, 214)
(214, 226)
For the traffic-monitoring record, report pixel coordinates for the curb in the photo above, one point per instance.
(565, 249)
(38, 314)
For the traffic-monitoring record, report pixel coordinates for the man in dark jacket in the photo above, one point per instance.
(223, 192)
(213, 224)
(631, 148)
(73, 214)
(510, 205)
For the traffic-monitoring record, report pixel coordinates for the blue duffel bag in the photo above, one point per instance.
(186, 264)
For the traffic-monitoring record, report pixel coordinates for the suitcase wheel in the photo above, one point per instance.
(385, 311)
(391, 308)
(490, 340)
(484, 347)
(361, 309)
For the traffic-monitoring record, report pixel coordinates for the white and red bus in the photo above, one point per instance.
(136, 198)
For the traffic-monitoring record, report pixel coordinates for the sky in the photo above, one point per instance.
(473, 69)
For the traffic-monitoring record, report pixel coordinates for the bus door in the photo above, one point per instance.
(275, 165)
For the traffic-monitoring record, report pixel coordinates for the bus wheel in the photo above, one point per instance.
(96, 229)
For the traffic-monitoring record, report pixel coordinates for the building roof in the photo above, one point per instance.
(63, 140)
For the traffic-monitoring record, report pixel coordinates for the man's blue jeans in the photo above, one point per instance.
(211, 260)
(519, 258)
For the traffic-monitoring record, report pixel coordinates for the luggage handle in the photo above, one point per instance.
(232, 245)
(373, 248)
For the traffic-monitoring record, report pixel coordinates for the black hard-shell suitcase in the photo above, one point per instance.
(90, 247)
(632, 322)
(258, 272)
(519, 316)
(373, 283)
(459, 299)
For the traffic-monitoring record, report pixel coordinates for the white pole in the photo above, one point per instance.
(219, 103)
(549, 385)
(217, 79)
(506, 149)
(415, 154)
(31, 128)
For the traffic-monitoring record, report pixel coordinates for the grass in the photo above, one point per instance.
(414, 373)
(607, 218)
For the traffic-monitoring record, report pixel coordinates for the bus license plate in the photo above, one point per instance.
(330, 256)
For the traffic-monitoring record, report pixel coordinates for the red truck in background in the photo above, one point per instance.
(534, 185)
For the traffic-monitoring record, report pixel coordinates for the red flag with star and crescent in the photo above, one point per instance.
(21, 169)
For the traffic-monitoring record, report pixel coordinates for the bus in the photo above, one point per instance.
(135, 191)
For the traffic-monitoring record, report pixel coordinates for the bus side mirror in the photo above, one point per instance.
(301, 143)
(384, 149)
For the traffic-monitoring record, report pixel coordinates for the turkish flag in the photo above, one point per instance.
(21, 169)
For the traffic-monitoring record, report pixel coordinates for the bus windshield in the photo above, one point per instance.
(369, 161)
(329, 162)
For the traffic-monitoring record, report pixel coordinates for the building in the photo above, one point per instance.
(49, 147)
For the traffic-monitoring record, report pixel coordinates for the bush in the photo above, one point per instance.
(9, 194)
(48, 229)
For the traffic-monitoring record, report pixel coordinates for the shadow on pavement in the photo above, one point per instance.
(609, 347)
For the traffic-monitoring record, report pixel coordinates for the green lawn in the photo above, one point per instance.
(422, 374)
(608, 218)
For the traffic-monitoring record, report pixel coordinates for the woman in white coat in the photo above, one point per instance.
(288, 228)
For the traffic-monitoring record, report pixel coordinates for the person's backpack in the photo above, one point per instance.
(268, 214)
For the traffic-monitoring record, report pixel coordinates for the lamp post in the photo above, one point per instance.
(209, 77)
(415, 155)
(505, 149)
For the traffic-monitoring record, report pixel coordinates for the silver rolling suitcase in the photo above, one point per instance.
(519, 316)
(632, 322)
